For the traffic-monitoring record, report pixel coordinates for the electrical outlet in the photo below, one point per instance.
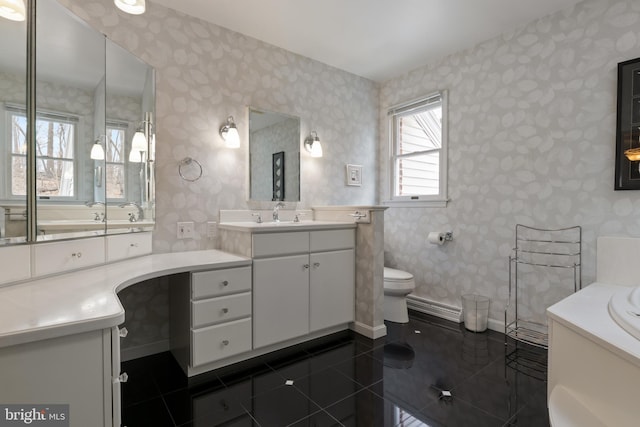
(185, 230)
(212, 229)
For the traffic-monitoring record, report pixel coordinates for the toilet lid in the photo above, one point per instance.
(393, 275)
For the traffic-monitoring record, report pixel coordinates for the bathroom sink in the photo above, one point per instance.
(624, 308)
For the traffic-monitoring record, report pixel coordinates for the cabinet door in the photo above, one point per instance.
(332, 289)
(280, 299)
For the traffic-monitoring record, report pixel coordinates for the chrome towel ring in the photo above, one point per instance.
(187, 164)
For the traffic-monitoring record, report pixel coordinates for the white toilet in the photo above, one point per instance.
(397, 285)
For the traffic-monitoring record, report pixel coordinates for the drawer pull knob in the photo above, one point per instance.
(76, 255)
(123, 332)
(225, 283)
(133, 245)
(225, 310)
(225, 342)
(122, 378)
(224, 405)
(306, 266)
(316, 264)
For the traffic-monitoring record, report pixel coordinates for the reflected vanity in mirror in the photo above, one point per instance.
(92, 97)
(274, 156)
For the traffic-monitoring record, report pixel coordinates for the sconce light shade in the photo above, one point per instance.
(13, 10)
(229, 132)
(135, 157)
(139, 142)
(97, 152)
(134, 7)
(312, 144)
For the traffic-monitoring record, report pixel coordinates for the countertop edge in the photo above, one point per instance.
(21, 323)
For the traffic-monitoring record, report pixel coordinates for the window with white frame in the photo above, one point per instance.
(418, 147)
(115, 160)
(56, 135)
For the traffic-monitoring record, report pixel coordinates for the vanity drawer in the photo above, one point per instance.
(329, 240)
(271, 244)
(69, 255)
(214, 283)
(128, 245)
(220, 341)
(15, 263)
(221, 309)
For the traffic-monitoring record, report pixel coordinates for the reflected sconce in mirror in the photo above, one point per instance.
(133, 7)
(229, 132)
(97, 153)
(312, 144)
(633, 154)
(13, 10)
(139, 145)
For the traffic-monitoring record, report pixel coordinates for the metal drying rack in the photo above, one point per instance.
(539, 249)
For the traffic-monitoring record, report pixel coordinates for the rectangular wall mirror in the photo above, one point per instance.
(274, 156)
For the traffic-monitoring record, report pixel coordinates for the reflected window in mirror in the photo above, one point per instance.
(56, 135)
(116, 161)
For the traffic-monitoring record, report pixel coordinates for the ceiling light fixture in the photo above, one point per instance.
(13, 10)
(134, 7)
(229, 132)
(312, 144)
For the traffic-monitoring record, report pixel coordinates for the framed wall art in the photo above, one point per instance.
(278, 176)
(628, 126)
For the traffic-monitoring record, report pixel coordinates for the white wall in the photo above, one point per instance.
(532, 118)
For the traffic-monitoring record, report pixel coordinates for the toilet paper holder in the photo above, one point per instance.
(440, 237)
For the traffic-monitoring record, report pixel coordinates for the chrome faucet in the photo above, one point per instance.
(97, 216)
(133, 217)
(276, 211)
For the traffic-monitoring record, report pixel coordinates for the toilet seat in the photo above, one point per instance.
(398, 280)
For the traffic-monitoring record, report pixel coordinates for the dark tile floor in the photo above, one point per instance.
(348, 380)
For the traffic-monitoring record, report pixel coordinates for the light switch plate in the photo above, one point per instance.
(185, 230)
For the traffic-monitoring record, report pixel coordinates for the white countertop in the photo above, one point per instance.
(270, 226)
(586, 313)
(86, 300)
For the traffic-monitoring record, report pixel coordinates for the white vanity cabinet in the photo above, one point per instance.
(303, 282)
(81, 370)
(211, 317)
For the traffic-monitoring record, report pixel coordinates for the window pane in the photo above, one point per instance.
(19, 176)
(54, 139)
(18, 134)
(421, 131)
(115, 145)
(418, 175)
(115, 181)
(54, 177)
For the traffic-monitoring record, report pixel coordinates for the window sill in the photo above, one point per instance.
(416, 203)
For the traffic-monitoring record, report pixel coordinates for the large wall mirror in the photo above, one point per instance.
(274, 156)
(92, 98)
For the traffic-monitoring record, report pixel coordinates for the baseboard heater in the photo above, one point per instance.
(437, 309)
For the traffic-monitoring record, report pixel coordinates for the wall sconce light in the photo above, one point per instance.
(633, 154)
(13, 10)
(97, 150)
(134, 7)
(229, 132)
(312, 144)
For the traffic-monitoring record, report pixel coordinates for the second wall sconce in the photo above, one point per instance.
(312, 144)
(13, 10)
(134, 7)
(229, 132)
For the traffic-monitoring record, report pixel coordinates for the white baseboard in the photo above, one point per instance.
(369, 331)
(438, 309)
(144, 350)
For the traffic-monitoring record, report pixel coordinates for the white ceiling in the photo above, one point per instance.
(377, 39)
